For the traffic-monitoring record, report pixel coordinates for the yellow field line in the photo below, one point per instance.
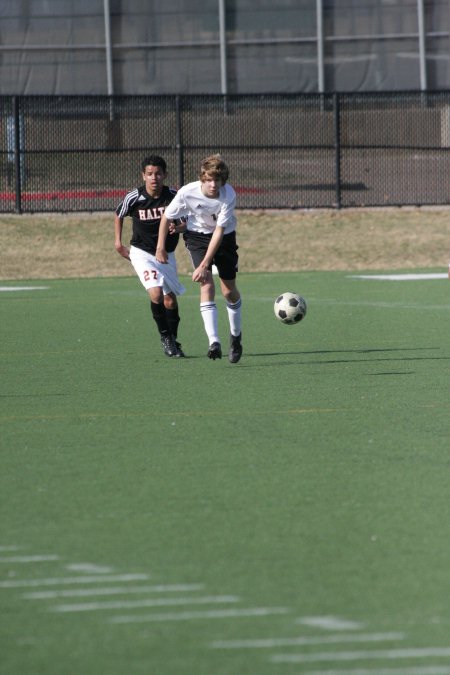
(192, 413)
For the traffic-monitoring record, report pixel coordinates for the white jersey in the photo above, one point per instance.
(203, 213)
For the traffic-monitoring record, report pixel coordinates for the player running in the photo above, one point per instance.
(146, 205)
(210, 237)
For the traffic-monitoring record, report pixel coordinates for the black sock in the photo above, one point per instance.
(173, 319)
(160, 317)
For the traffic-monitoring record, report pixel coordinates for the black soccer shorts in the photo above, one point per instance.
(226, 258)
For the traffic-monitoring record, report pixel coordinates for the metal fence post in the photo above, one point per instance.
(337, 148)
(179, 141)
(223, 48)
(320, 47)
(422, 46)
(108, 48)
(18, 159)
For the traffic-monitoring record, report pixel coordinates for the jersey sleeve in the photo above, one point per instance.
(226, 214)
(177, 207)
(124, 207)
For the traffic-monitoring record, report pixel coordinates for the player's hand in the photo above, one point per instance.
(201, 274)
(123, 251)
(161, 255)
(177, 227)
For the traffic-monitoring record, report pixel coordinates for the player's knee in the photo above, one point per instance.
(170, 301)
(155, 295)
(230, 293)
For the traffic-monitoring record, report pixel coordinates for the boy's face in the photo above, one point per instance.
(154, 178)
(211, 185)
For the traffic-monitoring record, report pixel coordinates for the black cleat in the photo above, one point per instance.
(235, 352)
(180, 353)
(169, 346)
(215, 351)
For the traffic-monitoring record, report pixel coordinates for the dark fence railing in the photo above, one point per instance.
(82, 153)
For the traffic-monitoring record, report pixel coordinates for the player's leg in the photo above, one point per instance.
(171, 288)
(197, 246)
(160, 317)
(147, 270)
(234, 303)
(208, 311)
(172, 312)
(173, 318)
(226, 261)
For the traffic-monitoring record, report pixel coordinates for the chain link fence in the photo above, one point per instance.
(82, 153)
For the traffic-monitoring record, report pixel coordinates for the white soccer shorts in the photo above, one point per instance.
(152, 273)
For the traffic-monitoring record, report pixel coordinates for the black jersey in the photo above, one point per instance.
(146, 212)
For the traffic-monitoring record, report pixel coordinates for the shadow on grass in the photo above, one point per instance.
(358, 351)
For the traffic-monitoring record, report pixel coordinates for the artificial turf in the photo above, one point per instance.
(302, 493)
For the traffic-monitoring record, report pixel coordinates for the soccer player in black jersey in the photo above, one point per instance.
(145, 205)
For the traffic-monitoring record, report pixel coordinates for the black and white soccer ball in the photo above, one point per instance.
(290, 308)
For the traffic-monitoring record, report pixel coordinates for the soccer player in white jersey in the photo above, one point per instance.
(145, 205)
(208, 205)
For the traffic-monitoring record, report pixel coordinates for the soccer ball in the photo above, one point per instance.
(290, 308)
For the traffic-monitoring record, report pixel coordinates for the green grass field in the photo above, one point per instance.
(288, 514)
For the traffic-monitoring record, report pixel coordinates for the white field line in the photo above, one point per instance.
(427, 670)
(28, 558)
(330, 623)
(4, 549)
(112, 590)
(400, 277)
(210, 614)
(4, 289)
(89, 568)
(132, 604)
(62, 581)
(380, 303)
(387, 654)
(303, 641)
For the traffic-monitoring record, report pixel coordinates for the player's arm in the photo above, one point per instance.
(168, 224)
(201, 272)
(177, 226)
(120, 248)
(161, 253)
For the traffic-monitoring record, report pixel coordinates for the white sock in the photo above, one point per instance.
(208, 311)
(234, 316)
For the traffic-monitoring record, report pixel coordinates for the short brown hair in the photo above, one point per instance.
(214, 166)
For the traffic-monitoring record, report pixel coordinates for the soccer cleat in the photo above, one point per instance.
(169, 345)
(235, 352)
(180, 353)
(215, 351)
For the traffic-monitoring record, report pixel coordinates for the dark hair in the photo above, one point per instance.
(154, 160)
